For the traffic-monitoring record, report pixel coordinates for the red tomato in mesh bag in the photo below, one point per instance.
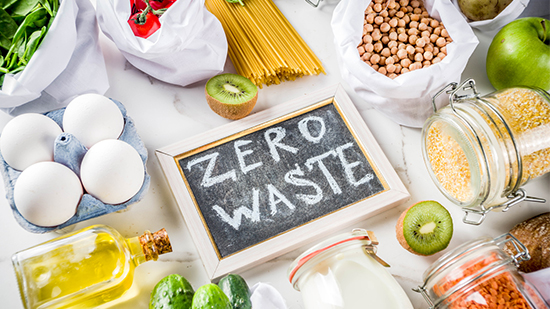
(161, 4)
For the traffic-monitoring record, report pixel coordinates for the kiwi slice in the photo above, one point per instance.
(425, 228)
(230, 95)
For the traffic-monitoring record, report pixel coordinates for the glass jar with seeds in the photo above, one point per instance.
(480, 150)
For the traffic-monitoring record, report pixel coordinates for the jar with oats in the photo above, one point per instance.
(480, 274)
(480, 150)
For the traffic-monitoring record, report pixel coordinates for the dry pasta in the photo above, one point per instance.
(262, 44)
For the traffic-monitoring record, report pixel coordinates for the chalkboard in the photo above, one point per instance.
(264, 178)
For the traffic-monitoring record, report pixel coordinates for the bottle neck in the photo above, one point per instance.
(149, 246)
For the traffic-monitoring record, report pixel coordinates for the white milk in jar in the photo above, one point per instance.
(344, 273)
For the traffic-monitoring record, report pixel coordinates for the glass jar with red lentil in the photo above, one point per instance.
(480, 150)
(481, 274)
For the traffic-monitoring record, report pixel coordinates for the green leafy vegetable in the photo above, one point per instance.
(24, 25)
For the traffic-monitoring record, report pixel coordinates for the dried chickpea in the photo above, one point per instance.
(386, 52)
(412, 31)
(392, 36)
(403, 37)
(436, 60)
(368, 27)
(436, 50)
(415, 3)
(419, 50)
(378, 20)
(361, 50)
(404, 70)
(390, 67)
(377, 7)
(440, 42)
(376, 35)
(425, 14)
(413, 38)
(375, 67)
(398, 68)
(385, 27)
(385, 39)
(390, 61)
(382, 70)
(415, 66)
(392, 75)
(441, 56)
(378, 46)
(407, 19)
(420, 42)
(434, 23)
(433, 37)
(444, 33)
(393, 22)
(394, 50)
(403, 2)
(374, 59)
(413, 24)
(382, 61)
(422, 27)
(415, 17)
(428, 55)
(366, 56)
(437, 30)
(405, 62)
(410, 50)
(418, 57)
(384, 14)
(400, 14)
(425, 34)
(426, 63)
(429, 47)
(443, 50)
(369, 47)
(370, 18)
(367, 39)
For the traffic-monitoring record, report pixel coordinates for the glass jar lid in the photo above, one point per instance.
(357, 237)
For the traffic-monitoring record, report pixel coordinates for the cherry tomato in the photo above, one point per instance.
(144, 26)
(161, 4)
(137, 6)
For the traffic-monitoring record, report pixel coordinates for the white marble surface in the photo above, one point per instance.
(165, 113)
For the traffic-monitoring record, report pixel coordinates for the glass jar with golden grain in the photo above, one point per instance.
(480, 150)
(481, 274)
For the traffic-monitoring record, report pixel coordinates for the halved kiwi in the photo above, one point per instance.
(425, 228)
(230, 95)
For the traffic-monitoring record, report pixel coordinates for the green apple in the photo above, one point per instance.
(519, 54)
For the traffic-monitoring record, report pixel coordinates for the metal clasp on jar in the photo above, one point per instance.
(518, 194)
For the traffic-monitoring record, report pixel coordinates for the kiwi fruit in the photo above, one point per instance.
(425, 228)
(231, 96)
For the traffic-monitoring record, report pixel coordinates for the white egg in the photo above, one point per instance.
(28, 139)
(47, 193)
(112, 171)
(92, 118)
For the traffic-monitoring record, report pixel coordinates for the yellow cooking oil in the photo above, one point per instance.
(84, 269)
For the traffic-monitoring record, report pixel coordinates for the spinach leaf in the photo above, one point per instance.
(7, 24)
(23, 7)
(6, 3)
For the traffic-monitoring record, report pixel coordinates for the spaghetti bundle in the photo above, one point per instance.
(263, 45)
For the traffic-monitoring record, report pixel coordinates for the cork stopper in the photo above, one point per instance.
(155, 244)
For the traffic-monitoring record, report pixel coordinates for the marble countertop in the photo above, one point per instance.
(164, 114)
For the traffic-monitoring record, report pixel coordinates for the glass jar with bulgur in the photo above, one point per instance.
(480, 150)
(480, 274)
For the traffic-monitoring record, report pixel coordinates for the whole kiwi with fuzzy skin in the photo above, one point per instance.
(231, 96)
(534, 233)
(424, 228)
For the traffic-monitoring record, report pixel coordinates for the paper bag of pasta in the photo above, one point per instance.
(49, 53)
(396, 54)
(178, 42)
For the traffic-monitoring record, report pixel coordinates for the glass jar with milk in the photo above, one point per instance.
(345, 272)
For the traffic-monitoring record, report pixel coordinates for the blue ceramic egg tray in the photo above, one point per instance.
(69, 151)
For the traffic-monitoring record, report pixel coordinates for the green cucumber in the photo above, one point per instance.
(210, 296)
(236, 289)
(172, 292)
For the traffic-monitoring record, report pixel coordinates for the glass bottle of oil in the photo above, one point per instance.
(84, 269)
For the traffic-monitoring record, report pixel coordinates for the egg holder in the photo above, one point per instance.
(69, 151)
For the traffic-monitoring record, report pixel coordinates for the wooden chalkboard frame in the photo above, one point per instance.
(216, 266)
